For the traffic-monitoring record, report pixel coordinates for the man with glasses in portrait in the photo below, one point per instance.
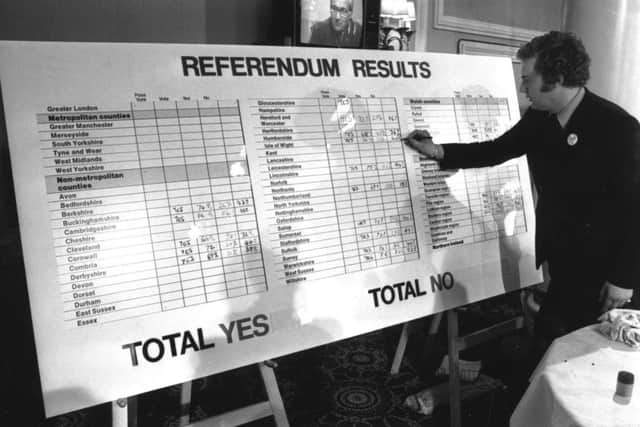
(339, 30)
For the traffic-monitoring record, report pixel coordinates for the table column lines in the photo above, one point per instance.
(456, 120)
(348, 136)
(192, 244)
(405, 173)
(235, 216)
(213, 205)
(152, 166)
(247, 239)
(348, 257)
(461, 105)
(173, 231)
(524, 212)
(374, 188)
(144, 195)
(485, 129)
(389, 134)
(381, 251)
(222, 253)
(333, 190)
(388, 140)
(369, 235)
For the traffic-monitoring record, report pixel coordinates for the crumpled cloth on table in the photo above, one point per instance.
(622, 325)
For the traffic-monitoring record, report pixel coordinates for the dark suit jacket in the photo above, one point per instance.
(588, 194)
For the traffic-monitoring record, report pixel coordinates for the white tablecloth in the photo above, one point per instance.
(575, 382)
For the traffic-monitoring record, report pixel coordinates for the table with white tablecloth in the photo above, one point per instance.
(575, 382)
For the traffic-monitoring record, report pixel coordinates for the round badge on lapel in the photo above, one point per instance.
(572, 139)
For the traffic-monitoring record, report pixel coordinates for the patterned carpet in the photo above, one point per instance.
(353, 385)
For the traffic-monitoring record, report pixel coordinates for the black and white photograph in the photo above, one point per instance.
(320, 213)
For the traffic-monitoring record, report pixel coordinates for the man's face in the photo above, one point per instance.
(532, 85)
(341, 14)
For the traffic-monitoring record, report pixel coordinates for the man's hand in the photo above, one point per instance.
(421, 141)
(612, 296)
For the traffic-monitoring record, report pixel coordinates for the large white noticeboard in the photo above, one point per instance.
(189, 209)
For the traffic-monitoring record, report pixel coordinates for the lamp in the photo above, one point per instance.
(397, 23)
(394, 7)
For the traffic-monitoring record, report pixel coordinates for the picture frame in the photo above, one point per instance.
(442, 21)
(472, 47)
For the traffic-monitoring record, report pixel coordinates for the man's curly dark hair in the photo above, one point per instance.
(558, 54)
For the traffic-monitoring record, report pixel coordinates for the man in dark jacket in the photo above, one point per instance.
(584, 155)
(339, 30)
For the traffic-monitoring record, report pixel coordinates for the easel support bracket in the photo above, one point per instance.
(124, 411)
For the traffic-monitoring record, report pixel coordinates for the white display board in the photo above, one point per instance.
(189, 209)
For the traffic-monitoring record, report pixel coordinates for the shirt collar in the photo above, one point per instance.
(564, 115)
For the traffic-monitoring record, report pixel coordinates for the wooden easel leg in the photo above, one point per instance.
(185, 403)
(119, 413)
(404, 338)
(272, 406)
(435, 323)
(402, 345)
(273, 393)
(454, 374)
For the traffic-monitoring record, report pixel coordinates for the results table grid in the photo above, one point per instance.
(334, 169)
(175, 215)
(474, 205)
